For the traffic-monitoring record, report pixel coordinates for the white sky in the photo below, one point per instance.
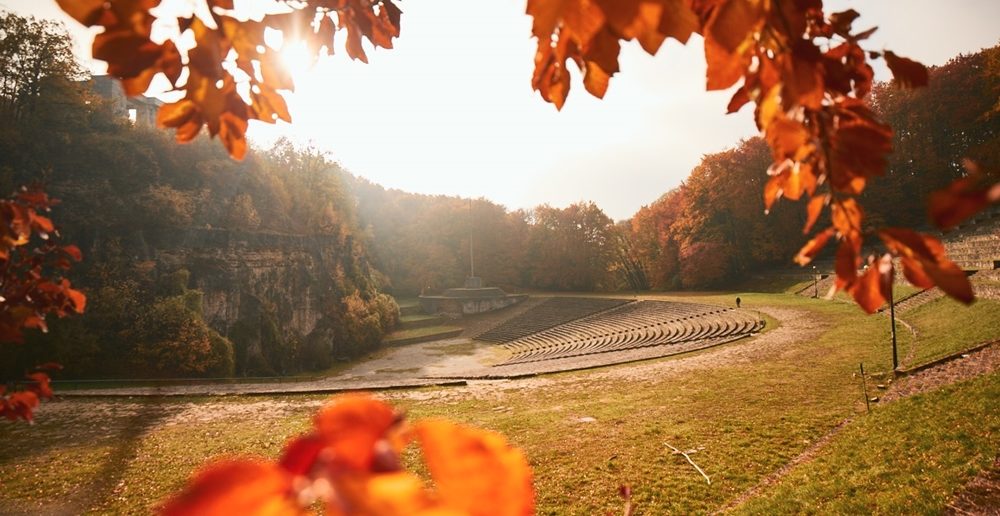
(450, 110)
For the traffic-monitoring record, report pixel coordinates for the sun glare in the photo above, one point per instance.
(296, 57)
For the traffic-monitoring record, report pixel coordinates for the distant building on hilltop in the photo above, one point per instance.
(140, 110)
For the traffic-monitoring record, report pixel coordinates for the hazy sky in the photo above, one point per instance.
(450, 110)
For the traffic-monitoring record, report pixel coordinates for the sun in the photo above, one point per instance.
(297, 59)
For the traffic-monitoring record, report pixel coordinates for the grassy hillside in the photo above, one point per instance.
(746, 410)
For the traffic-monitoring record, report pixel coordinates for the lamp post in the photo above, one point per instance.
(892, 316)
(815, 283)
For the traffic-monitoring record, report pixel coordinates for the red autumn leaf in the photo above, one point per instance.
(167, 62)
(725, 67)
(847, 217)
(740, 99)
(237, 486)
(352, 425)
(73, 252)
(924, 259)
(914, 273)
(678, 20)
(814, 246)
(803, 76)
(300, 454)
(269, 106)
(813, 210)
(846, 263)
(962, 199)
(232, 131)
(792, 181)
(551, 78)
(40, 384)
(786, 137)
(77, 299)
(874, 288)
(476, 472)
(732, 22)
(859, 148)
(19, 405)
(841, 22)
(906, 72)
(601, 62)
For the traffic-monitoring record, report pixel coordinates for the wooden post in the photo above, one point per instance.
(864, 388)
(892, 316)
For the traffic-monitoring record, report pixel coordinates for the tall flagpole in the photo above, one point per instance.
(472, 256)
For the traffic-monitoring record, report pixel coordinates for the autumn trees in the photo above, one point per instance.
(422, 242)
(125, 190)
(36, 55)
(806, 72)
(719, 207)
(35, 261)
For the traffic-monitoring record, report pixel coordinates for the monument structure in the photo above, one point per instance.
(472, 297)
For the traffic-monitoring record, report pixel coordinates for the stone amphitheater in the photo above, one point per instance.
(974, 247)
(622, 326)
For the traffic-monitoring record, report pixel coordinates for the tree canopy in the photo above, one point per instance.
(805, 70)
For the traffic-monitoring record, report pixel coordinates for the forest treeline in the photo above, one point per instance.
(148, 314)
(707, 232)
(122, 185)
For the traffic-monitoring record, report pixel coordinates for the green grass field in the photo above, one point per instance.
(745, 417)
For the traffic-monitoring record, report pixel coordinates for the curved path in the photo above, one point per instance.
(459, 360)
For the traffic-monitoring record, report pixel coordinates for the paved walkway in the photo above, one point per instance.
(446, 362)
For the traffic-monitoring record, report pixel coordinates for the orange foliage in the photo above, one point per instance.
(350, 461)
(808, 76)
(211, 99)
(803, 69)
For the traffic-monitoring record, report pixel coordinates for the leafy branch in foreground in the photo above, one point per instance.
(32, 263)
(808, 76)
(351, 463)
(229, 55)
(805, 71)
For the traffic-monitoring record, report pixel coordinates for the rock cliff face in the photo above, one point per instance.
(275, 296)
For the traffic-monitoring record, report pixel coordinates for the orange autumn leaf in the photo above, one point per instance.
(351, 426)
(476, 472)
(874, 288)
(732, 22)
(906, 72)
(724, 67)
(964, 197)
(846, 262)
(924, 262)
(18, 405)
(813, 210)
(237, 486)
(739, 99)
(386, 494)
(40, 384)
(814, 246)
(786, 137)
(847, 216)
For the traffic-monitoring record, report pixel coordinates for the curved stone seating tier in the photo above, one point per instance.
(976, 245)
(550, 313)
(636, 325)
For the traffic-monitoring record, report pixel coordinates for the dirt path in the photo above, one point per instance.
(453, 361)
(795, 326)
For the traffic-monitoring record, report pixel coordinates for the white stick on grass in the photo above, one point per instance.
(692, 463)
